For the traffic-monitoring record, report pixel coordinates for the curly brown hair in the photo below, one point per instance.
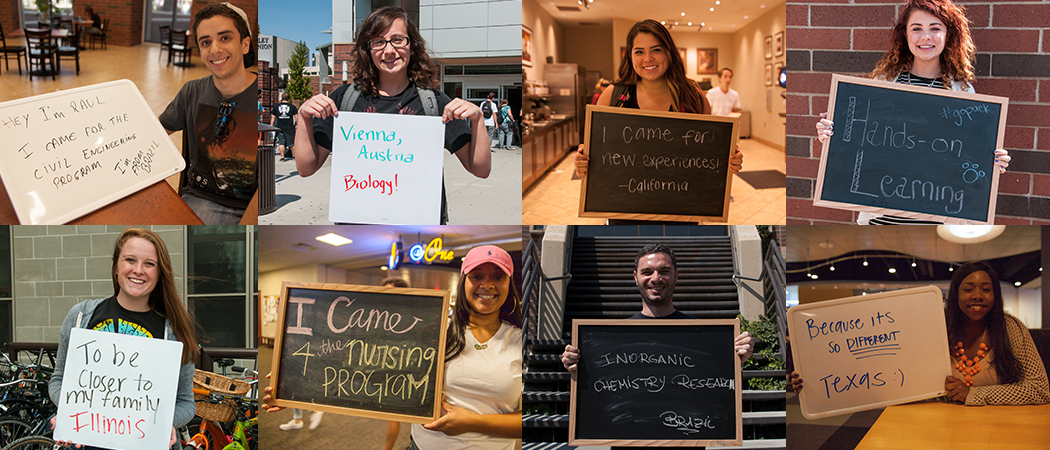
(421, 70)
(957, 57)
(685, 94)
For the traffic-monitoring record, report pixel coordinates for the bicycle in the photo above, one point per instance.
(239, 434)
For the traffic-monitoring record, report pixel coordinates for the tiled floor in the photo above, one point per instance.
(555, 199)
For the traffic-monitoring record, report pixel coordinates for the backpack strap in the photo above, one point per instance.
(429, 100)
(350, 100)
(80, 316)
(620, 95)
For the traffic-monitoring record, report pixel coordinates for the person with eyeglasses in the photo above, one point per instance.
(394, 74)
(217, 120)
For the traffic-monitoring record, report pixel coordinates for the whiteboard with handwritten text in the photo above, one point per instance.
(386, 168)
(870, 351)
(71, 152)
(118, 390)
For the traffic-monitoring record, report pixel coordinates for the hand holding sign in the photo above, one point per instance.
(386, 168)
(118, 390)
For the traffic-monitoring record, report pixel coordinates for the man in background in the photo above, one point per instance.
(723, 99)
(283, 116)
(488, 110)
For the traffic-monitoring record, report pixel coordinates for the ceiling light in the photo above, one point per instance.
(683, 14)
(969, 234)
(892, 270)
(676, 23)
(384, 268)
(718, 2)
(703, 24)
(662, 22)
(761, 6)
(712, 10)
(1017, 283)
(913, 263)
(832, 267)
(690, 24)
(951, 269)
(814, 276)
(333, 239)
(747, 17)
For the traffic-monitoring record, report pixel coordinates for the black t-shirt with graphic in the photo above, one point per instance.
(111, 317)
(284, 118)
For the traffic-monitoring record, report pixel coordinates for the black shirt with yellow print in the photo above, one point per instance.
(110, 316)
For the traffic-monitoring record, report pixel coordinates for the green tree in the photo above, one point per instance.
(298, 85)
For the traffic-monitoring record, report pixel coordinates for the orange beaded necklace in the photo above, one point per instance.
(969, 367)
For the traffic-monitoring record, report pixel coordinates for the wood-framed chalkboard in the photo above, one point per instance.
(870, 351)
(661, 382)
(911, 151)
(651, 165)
(366, 351)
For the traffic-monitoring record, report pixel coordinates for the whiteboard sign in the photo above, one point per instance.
(870, 351)
(118, 390)
(71, 152)
(386, 168)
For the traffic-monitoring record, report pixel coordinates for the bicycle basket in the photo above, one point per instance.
(217, 412)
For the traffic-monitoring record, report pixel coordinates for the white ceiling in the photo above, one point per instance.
(371, 244)
(807, 243)
(728, 17)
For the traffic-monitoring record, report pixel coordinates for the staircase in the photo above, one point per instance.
(602, 287)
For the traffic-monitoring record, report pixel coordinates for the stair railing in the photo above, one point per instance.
(534, 282)
(774, 288)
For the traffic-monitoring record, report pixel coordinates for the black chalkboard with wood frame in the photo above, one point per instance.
(650, 165)
(661, 382)
(911, 151)
(366, 351)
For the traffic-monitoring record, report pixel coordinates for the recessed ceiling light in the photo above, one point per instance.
(718, 2)
(969, 234)
(1017, 283)
(703, 24)
(663, 22)
(683, 14)
(892, 270)
(384, 268)
(747, 17)
(333, 239)
(712, 10)
(690, 24)
(760, 6)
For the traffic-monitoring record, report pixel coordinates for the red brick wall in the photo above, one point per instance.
(836, 36)
(125, 19)
(340, 53)
(9, 16)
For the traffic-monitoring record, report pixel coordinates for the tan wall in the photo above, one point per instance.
(548, 38)
(749, 76)
(582, 51)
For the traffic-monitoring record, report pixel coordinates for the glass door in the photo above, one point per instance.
(160, 13)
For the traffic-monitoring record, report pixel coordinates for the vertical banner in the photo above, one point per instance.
(118, 390)
(386, 169)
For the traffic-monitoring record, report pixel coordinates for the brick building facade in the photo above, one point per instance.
(839, 36)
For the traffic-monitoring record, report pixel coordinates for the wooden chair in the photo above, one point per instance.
(41, 52)
(104, 29)
(165, 41)
(17, 50)
(70, 51)
(179, 47)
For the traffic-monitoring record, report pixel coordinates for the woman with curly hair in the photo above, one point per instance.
(394, 74)
(930, 46)
(653, 79)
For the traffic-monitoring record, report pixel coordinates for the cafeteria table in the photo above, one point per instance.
(942, 425)
(154, 205)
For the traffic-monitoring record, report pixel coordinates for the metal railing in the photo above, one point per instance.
(774, 285)
(534, 283)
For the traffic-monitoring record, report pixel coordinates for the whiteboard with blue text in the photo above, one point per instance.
(870, 351)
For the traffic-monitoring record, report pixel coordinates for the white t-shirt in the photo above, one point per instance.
(722, 103)
(486, 381)
(491, 121)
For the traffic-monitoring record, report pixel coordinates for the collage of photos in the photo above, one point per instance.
(689, 262)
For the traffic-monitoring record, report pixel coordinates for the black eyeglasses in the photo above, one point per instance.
(397, 42)
(224, 122)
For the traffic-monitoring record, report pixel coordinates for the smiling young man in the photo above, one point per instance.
(723, 99)
(217, 118)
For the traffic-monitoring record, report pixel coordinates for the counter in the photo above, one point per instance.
(545, 144)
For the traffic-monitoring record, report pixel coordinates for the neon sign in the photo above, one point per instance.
(395, 256)
(430, 253)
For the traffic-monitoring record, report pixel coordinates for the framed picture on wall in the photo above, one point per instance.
(526, 46)
(706, 60)
(769, 47)
(769, 74)
(685, 60)
(776, 71)
(778, 44)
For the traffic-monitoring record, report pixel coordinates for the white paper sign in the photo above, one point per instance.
(386, 168)
(871, 351)
(68, 153)
(118, 390)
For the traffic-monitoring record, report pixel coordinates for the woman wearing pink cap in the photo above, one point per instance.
(482, 361)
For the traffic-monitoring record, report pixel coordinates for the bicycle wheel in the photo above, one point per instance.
(32, 443)
(13, 429)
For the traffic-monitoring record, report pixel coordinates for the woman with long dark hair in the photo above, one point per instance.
(145, 303)
(994, 359)
(931, 46)
(482, 360)
(652, 78)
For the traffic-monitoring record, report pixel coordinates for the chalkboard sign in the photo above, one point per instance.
(870, 351)
(648, 165)
(361, 350)
(911, 151)
(70, 152)
(673, 383)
